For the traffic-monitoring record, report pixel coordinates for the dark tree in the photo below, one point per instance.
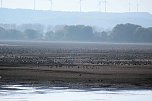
(3, 33)
(78, 32)
(144, 35)
(124, 32)
(32, 34)
(49, 35)
(15, 35)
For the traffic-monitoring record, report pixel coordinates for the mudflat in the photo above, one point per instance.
(91, 76)
(81, 64)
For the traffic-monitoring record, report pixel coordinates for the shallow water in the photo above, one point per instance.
(45, 93)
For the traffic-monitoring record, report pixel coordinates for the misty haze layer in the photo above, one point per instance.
(120, 33)
(100, 19)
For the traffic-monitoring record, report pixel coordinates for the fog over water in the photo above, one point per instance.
(76, 45)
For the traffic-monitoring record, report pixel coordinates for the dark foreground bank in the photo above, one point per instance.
(130, 78)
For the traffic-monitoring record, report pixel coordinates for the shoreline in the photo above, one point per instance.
(135, 77)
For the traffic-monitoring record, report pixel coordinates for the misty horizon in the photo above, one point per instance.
(53, 18)
(100, 25)
(82, 6)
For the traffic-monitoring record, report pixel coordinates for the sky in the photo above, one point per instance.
(87, 5)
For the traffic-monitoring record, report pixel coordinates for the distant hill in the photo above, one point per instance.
(104, 20)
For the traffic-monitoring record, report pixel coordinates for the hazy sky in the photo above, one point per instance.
(87, 5)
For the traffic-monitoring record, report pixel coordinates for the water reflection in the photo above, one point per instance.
(46, 93)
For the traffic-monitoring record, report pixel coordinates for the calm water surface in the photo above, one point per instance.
(45, 93)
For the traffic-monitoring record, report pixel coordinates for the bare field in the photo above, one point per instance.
(86, 64)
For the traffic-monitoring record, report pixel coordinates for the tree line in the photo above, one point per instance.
(120, 33)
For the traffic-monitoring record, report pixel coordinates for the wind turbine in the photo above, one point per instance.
(51, 4)
(99, 6)
(1, 3)
(129, 5)
(137, 5)
(34, 4)
(105, 3)
(80, 5)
